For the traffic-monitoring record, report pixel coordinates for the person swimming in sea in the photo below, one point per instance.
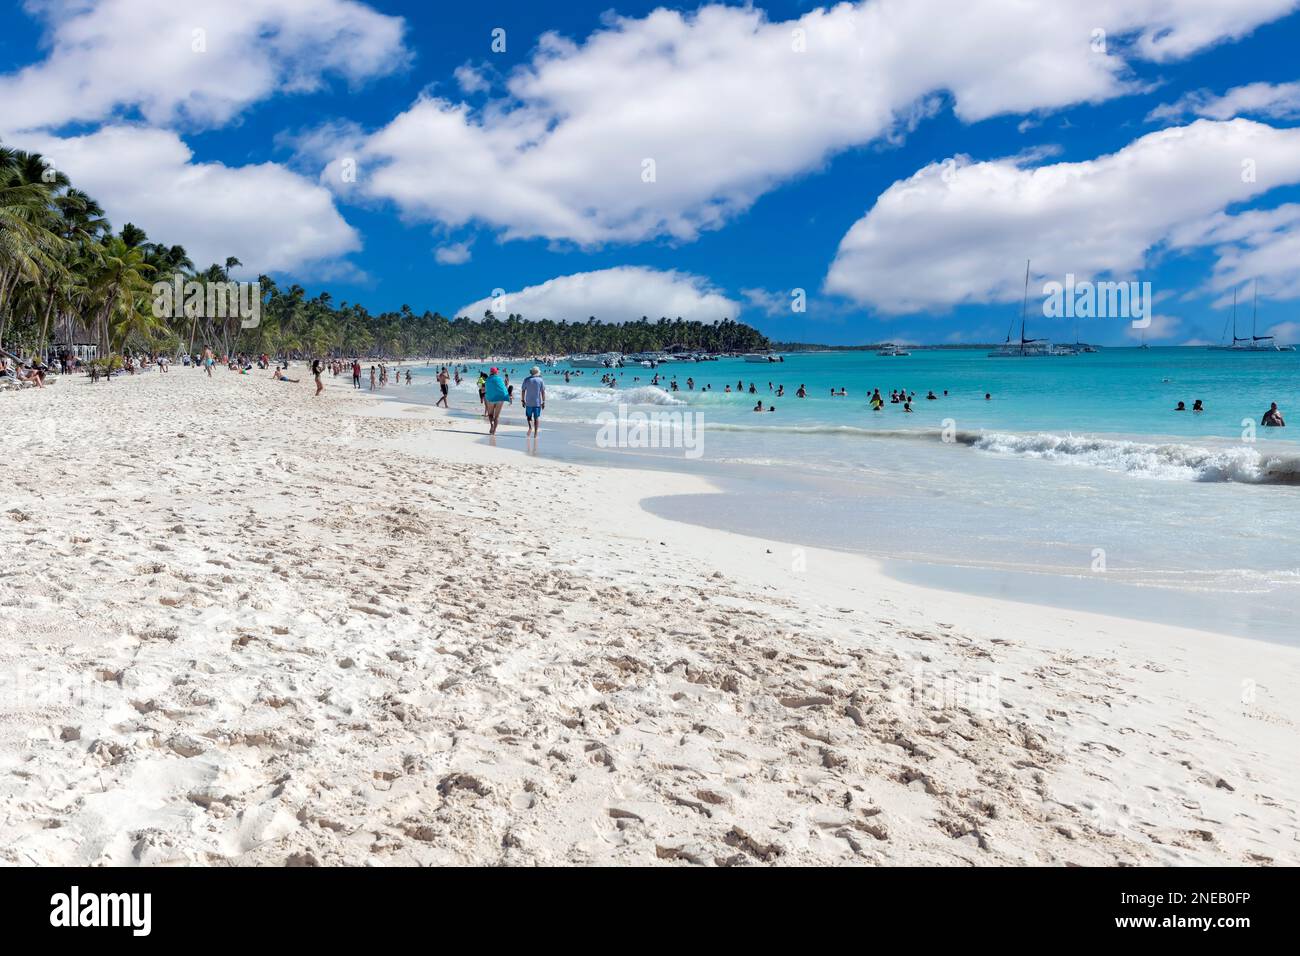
(907, 407)
(1181, 407)
(1197, 406)
(802, 393)
(758, 407)
(1273, 418)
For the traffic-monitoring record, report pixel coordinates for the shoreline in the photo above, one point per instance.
(540, 670)
(798, 509)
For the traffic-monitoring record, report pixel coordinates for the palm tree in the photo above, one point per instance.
(29, 242)
(120, 287)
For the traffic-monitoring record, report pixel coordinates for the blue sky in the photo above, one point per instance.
(766, 164)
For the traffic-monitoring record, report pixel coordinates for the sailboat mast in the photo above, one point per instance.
(1255, 337)
(1024, 307)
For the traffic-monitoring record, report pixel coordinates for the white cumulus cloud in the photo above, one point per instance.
(621, 294)
(727, 104)
(1268, 100)
(453, 254)
(960, 232)
(198, 61)
(267, 216)
(1259, 246)
(194, 64)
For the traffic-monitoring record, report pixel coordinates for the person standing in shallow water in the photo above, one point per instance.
(442, 385)
(533, 392)
(494, 396)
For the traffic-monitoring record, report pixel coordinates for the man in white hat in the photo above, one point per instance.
(534, 394)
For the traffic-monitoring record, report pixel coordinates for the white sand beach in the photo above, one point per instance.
(240, 625)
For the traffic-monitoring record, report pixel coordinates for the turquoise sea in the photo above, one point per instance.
(1075, 483)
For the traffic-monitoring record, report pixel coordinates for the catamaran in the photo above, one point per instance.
(890, 350)
(645, 359)
(1025, 348)
(1256, 343)
(604, 360)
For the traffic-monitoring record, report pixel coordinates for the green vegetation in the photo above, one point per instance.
(64, 276)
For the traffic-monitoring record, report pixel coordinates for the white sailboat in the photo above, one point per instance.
(1026, 347)
(1255, 343)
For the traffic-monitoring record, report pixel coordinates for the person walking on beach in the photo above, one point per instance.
(317, 369)
(356, 373)
(372, 378)
(533, 392)
(207, 361)
(494, 396)
(482, 392)
(442, 385)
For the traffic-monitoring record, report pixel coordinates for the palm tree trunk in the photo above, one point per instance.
(45, 324)
(105, 346)
(6, 279)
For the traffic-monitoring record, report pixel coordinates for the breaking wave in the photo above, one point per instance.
(1173, 461)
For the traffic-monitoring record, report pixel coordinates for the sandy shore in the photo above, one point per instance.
(242, 625)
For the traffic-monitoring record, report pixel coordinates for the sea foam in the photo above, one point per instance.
(1168, 461)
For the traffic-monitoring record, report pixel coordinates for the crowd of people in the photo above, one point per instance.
(494, 387)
